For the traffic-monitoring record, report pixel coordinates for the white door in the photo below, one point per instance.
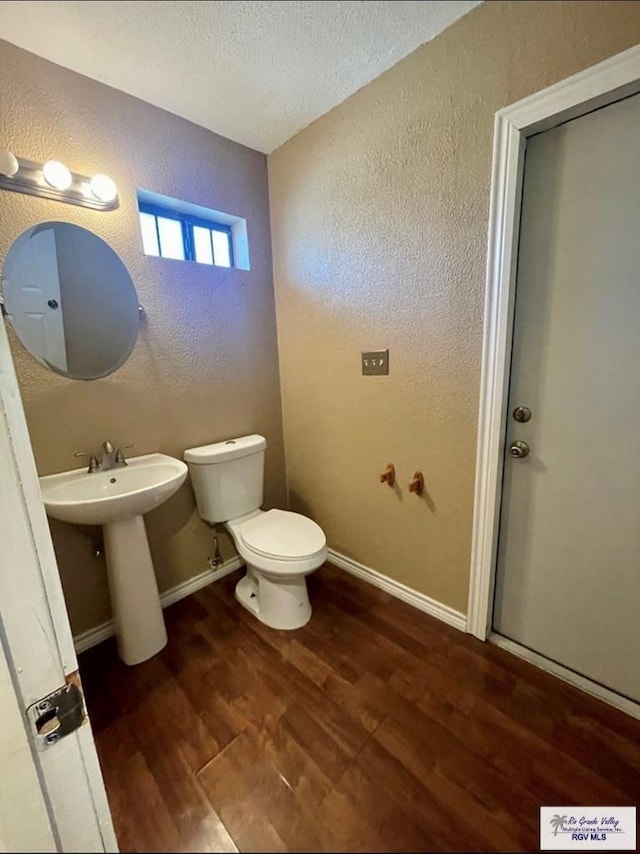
(32, 296)
(568, 571)
(24, 819)
(37, 648)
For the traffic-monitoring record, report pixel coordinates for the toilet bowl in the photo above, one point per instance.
(280, 548)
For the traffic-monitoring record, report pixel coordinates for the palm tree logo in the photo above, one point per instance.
(557, 822)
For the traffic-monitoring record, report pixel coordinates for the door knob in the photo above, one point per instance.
(519, 449)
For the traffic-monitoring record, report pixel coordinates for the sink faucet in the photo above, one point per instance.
(111, 458)
(94, 465)
(108, 460)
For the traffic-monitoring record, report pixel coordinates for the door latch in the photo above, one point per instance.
(56, 715)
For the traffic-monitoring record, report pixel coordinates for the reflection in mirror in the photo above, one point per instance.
(70, 300)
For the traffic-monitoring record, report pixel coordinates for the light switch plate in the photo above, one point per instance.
(375, 363)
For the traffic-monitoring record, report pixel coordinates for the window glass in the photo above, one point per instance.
(171, 242)
(202, 245)
(221, 252)
(176, 234)
(149, 234)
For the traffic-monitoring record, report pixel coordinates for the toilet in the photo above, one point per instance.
(280, 548)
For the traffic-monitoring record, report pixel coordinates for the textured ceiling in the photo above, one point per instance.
(256, 72)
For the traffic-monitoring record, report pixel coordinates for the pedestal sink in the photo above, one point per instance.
(117, 499)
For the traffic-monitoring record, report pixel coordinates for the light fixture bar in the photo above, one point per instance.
(30, 179)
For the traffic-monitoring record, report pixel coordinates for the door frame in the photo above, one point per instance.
(598, 86)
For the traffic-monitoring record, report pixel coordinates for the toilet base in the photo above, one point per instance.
(278, 602)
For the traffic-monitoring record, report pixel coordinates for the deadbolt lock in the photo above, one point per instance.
(522, 414)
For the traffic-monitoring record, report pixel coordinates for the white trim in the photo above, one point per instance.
(99, 633)
(597, 86)
(575, 679)
(94, 636)
(175, 594)
(412, 597)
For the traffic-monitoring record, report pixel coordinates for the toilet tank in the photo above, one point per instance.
(227, 477)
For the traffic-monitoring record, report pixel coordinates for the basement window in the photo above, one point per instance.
(186, 232)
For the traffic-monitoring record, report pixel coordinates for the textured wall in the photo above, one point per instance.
(379, 217)
(205, 366)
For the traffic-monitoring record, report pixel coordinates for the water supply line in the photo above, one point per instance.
(215, 561)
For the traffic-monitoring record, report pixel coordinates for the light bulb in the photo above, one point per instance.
(8, 163)
(57, 174)
(103, 188)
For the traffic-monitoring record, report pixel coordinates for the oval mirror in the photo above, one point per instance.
(70, 300)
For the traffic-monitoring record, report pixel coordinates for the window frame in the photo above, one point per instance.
(187, 222)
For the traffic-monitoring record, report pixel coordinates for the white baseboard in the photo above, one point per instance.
(430, 606)
(575, 679)
(419, 600)
(97, 634)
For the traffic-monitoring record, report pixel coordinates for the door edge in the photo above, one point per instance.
(595, 87)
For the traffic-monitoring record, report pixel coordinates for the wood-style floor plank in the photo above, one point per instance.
(373, 728)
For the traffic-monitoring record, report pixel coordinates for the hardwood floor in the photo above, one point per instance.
(374, 728)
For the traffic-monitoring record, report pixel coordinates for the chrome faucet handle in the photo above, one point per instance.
(120, 460)
(94, 465)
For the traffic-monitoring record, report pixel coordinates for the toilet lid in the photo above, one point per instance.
(280, 534)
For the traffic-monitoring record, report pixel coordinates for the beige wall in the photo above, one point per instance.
(379, 219)
(205, 365)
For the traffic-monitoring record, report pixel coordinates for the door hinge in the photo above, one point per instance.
(56, 715)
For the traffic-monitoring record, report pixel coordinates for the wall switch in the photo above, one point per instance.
(375, 363)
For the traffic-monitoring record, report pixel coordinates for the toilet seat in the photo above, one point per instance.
(283, 536)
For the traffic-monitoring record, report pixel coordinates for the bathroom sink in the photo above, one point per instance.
(100, 497)
(117, 499)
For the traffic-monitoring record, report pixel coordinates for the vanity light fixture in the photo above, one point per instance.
(57, 175)
(8, 163)
(103, 188)
(54, 180)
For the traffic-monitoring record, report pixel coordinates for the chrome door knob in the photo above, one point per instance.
(519, 449)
